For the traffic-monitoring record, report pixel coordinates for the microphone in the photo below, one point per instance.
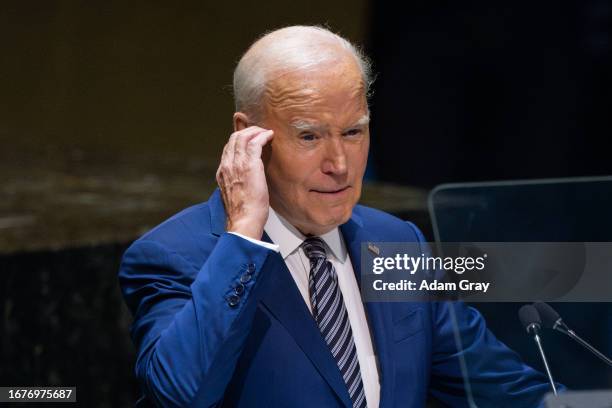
(530, 319)
(552, 320)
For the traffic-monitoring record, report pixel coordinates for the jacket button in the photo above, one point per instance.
(251, 267)
(233, 300)
(245, 277)
(239, 289)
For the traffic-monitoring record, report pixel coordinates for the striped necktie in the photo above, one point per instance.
(331, 316)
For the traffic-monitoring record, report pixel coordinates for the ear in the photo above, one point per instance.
(241, 121)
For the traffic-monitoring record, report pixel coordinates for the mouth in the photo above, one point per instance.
(332, 193)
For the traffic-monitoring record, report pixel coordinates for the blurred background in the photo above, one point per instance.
(113, 116)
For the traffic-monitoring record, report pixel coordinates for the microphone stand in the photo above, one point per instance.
(538, 341)
(561, 327)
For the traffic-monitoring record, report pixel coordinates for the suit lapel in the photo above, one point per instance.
(378, 313)
(284, 301)
(281, 297)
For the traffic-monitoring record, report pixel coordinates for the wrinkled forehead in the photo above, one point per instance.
(338, 85)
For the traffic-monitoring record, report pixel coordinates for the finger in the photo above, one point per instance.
(244, 138)
(231, 153)
(219, 178)
(226, 159)
(247, 132)
(256, 144)
(230, 147)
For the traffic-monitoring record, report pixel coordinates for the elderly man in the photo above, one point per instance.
(252, 298)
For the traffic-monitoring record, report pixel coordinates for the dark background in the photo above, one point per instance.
(481, 90)
(113, 116)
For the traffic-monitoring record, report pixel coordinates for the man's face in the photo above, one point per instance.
(316, 160)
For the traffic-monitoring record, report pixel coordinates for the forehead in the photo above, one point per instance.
(336, 89)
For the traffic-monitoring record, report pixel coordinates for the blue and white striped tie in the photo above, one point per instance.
(332, 318)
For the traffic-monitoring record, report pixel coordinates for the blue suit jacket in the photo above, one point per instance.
(218, 320)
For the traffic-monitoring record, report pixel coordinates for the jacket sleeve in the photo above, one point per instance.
(190, 324)
(469, 362)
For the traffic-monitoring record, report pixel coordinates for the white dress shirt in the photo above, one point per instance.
(288, 240)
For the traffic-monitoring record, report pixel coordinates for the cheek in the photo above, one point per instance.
(365, 148)
(288, 173)
(359, 156)
(294, 165)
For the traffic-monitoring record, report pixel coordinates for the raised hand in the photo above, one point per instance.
(242, 181)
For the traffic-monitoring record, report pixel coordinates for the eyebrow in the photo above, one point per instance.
(302, 125)
(364, 120)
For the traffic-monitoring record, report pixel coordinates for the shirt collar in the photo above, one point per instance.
(289, 239)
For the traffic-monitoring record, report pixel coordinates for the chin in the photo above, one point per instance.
(336, 217)
(323, 219)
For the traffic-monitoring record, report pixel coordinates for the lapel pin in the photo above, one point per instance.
(373, 248)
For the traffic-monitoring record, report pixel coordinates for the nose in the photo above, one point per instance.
(334, 162)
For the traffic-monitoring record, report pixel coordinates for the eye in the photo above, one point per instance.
(353, 132)
(307, 137)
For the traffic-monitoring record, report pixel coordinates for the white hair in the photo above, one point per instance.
(289, 48)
